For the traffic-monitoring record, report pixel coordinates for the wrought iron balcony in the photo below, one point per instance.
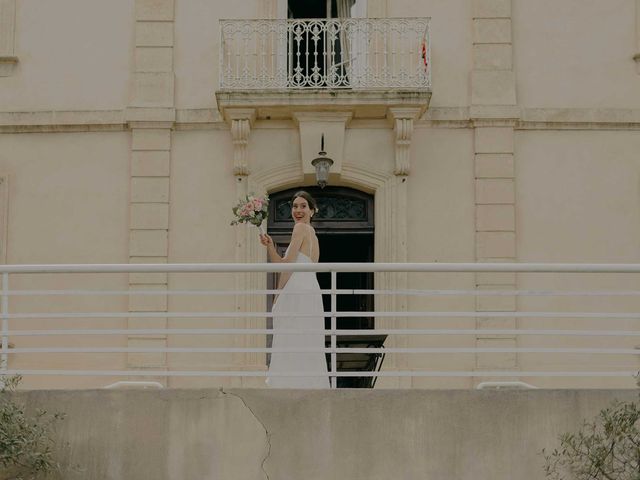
(303, 54)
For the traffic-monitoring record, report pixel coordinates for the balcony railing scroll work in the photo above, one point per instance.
(571, 326)
(352, 53)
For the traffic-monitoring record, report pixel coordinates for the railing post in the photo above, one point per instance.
(4, 360)
(221, 80)
(334, 356)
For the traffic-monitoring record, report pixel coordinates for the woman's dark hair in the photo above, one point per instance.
(310, 201)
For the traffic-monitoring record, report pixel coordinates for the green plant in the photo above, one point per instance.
(608, 448)
(26, 442)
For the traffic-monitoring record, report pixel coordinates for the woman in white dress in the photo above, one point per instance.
(303, 248)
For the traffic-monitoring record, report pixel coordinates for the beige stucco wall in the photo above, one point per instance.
(75, 55)
(578, 197)
(196, 54)
(442, 174)
(579, 56)
(62, 183)
(58, 184)
(201, 186)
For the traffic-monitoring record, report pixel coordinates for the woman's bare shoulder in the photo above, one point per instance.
(299, 228)
(303, 228)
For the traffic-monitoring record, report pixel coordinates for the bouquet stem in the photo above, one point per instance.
(261, 229)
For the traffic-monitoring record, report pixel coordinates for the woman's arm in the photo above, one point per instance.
(297, 238)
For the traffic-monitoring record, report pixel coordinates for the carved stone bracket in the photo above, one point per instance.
(402, 120)
(240, 121)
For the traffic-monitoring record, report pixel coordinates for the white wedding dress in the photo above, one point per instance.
(292, 304)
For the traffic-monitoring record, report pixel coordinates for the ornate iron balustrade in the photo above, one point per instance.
(354, 53)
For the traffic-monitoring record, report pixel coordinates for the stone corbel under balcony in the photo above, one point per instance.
(361, 104)
(7, 65)
(402, 120)
(240, 122)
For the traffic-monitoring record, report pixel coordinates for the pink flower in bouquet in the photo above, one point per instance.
(252, 210)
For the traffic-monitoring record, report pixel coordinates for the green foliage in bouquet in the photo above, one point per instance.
(252, 210)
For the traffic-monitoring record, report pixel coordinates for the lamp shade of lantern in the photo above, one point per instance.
(322, 166)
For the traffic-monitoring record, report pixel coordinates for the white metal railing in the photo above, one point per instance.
(356, 53)
(625, 335)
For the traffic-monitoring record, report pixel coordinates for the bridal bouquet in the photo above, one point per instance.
(252, 210)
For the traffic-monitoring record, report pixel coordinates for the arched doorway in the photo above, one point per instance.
(345, 229)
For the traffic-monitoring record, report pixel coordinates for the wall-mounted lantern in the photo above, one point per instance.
(322, 165)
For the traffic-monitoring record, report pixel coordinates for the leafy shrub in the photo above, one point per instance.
(26, 443)
(607, 448)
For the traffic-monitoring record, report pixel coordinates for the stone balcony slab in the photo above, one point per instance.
(281, 104)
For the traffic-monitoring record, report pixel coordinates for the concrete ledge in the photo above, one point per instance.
(290, 434)
(8, 64)
(210, 119)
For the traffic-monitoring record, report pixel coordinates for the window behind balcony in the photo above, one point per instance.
(326, 8)
(320, 52)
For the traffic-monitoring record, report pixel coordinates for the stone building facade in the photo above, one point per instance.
(119, 145)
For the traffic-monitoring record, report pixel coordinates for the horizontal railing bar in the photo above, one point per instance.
(168, 292)
(510, 293)
(325, 20)
(595, 315)
(608, 351)
(341, 332)
(193, 373)
(477, 293)
(327, 267)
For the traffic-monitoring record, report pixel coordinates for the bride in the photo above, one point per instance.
(303, 248)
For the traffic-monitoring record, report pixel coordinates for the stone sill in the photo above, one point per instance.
(281, 104)
(8, 64)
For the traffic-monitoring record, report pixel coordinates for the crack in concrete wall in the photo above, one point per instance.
(266, 430)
